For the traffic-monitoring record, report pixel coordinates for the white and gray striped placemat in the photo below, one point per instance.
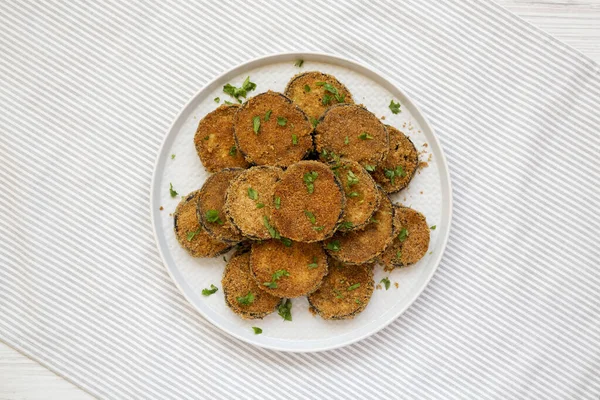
(87, 92)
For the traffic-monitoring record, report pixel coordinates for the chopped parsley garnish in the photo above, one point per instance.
(207, 292)
(370, 168)
(259, 205)
(306, 88)
(338, 294)
(277, 275)
(386, 282)
(246, 300)
(432, 227)
(403, 234)
(205, 138)
(172, 156)
(277, 202)
(311, 217)
(242, 91)
(313, 264)
(326, 99)
(272, 231)
(233, 151)
(395, 107)
(213, 216)
(286, 242)
(318, 228)
(309, 180)
(346, 225)
(319, 83)
(252, 193)
(217, 99)
(365, 136)
(373, 220)
(334, 245)
(285, 310)
(257, 330)
(268, 115)
(398, 255)
(281, 121)
(353, 287)
(346, 140)
(299, 63)
(294, 139)
(352, 179)
(172, 191)
(332, 89)
(256, 124)
(228, 102)
(357, 301)
(352, 194)
(391, 174)
(192, 234)
(314, 122)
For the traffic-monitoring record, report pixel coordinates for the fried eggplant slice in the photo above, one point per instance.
(411, 240)
(400, 165)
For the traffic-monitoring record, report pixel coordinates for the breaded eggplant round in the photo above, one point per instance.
(411, 240)
(351, 131)
(190, 234)
(362, 194)
(311, 202)
(315, 92)
(249, 200)
(363, 246)
(288, 271)
(400, 165)
(345, 292)
(214, 140)
(211, 202)
(242, 294)
(271, 130)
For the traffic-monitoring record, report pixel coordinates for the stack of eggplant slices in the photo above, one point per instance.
(300, 184)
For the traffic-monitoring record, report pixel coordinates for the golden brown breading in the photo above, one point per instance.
(210, 206)
(351, 131)
(311, 202)
(345, 291)
(271, 130)
(301, 267)
(411, 240)
(402, 154)
(190, 234)
(250, 198)
(242, 294)
(214, 140)
(310, 92)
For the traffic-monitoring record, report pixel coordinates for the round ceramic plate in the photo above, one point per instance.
(429, 192)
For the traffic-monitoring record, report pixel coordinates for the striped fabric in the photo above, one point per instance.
(87, 92)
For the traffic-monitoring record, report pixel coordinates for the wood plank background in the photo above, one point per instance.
(575, 22)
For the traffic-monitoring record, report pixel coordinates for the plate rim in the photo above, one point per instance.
(339, 60)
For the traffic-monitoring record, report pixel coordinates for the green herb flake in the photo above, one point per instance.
(172, 156)
(314, 122)
(357, 301)
(252, 193)
(318, 228)
(306, 89)
(256, 124)
(281, 121)
(338, 294)
(311, 217)
(386, 282)
(353, 287)
(272, 231)
(346, 140)
(246, 300)
(277, 202)
(233, 151)
(309, 179)
(313, 264)
(268, 115)
(326, 99)
(395, 107)
(285, 310)
(213, 217)
(217, 100)
(403, 235)
(286, 242)
(370, 168)
(259, 205)
(432, 227)
(299, 63)
(346, 225)
(398, 255)
(228, 102)
(352, 194)
(319, 83)
(242, 91)
(352, 179)
(192, 234)
(207, 292)
(365, 136)
(172, 191)
(334, 245)
(294, 139)
(397, 172)
(257, 330)
(277, 275)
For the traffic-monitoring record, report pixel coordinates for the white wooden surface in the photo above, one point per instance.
(575, 22)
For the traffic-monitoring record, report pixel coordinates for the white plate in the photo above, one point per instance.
(429, 192)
